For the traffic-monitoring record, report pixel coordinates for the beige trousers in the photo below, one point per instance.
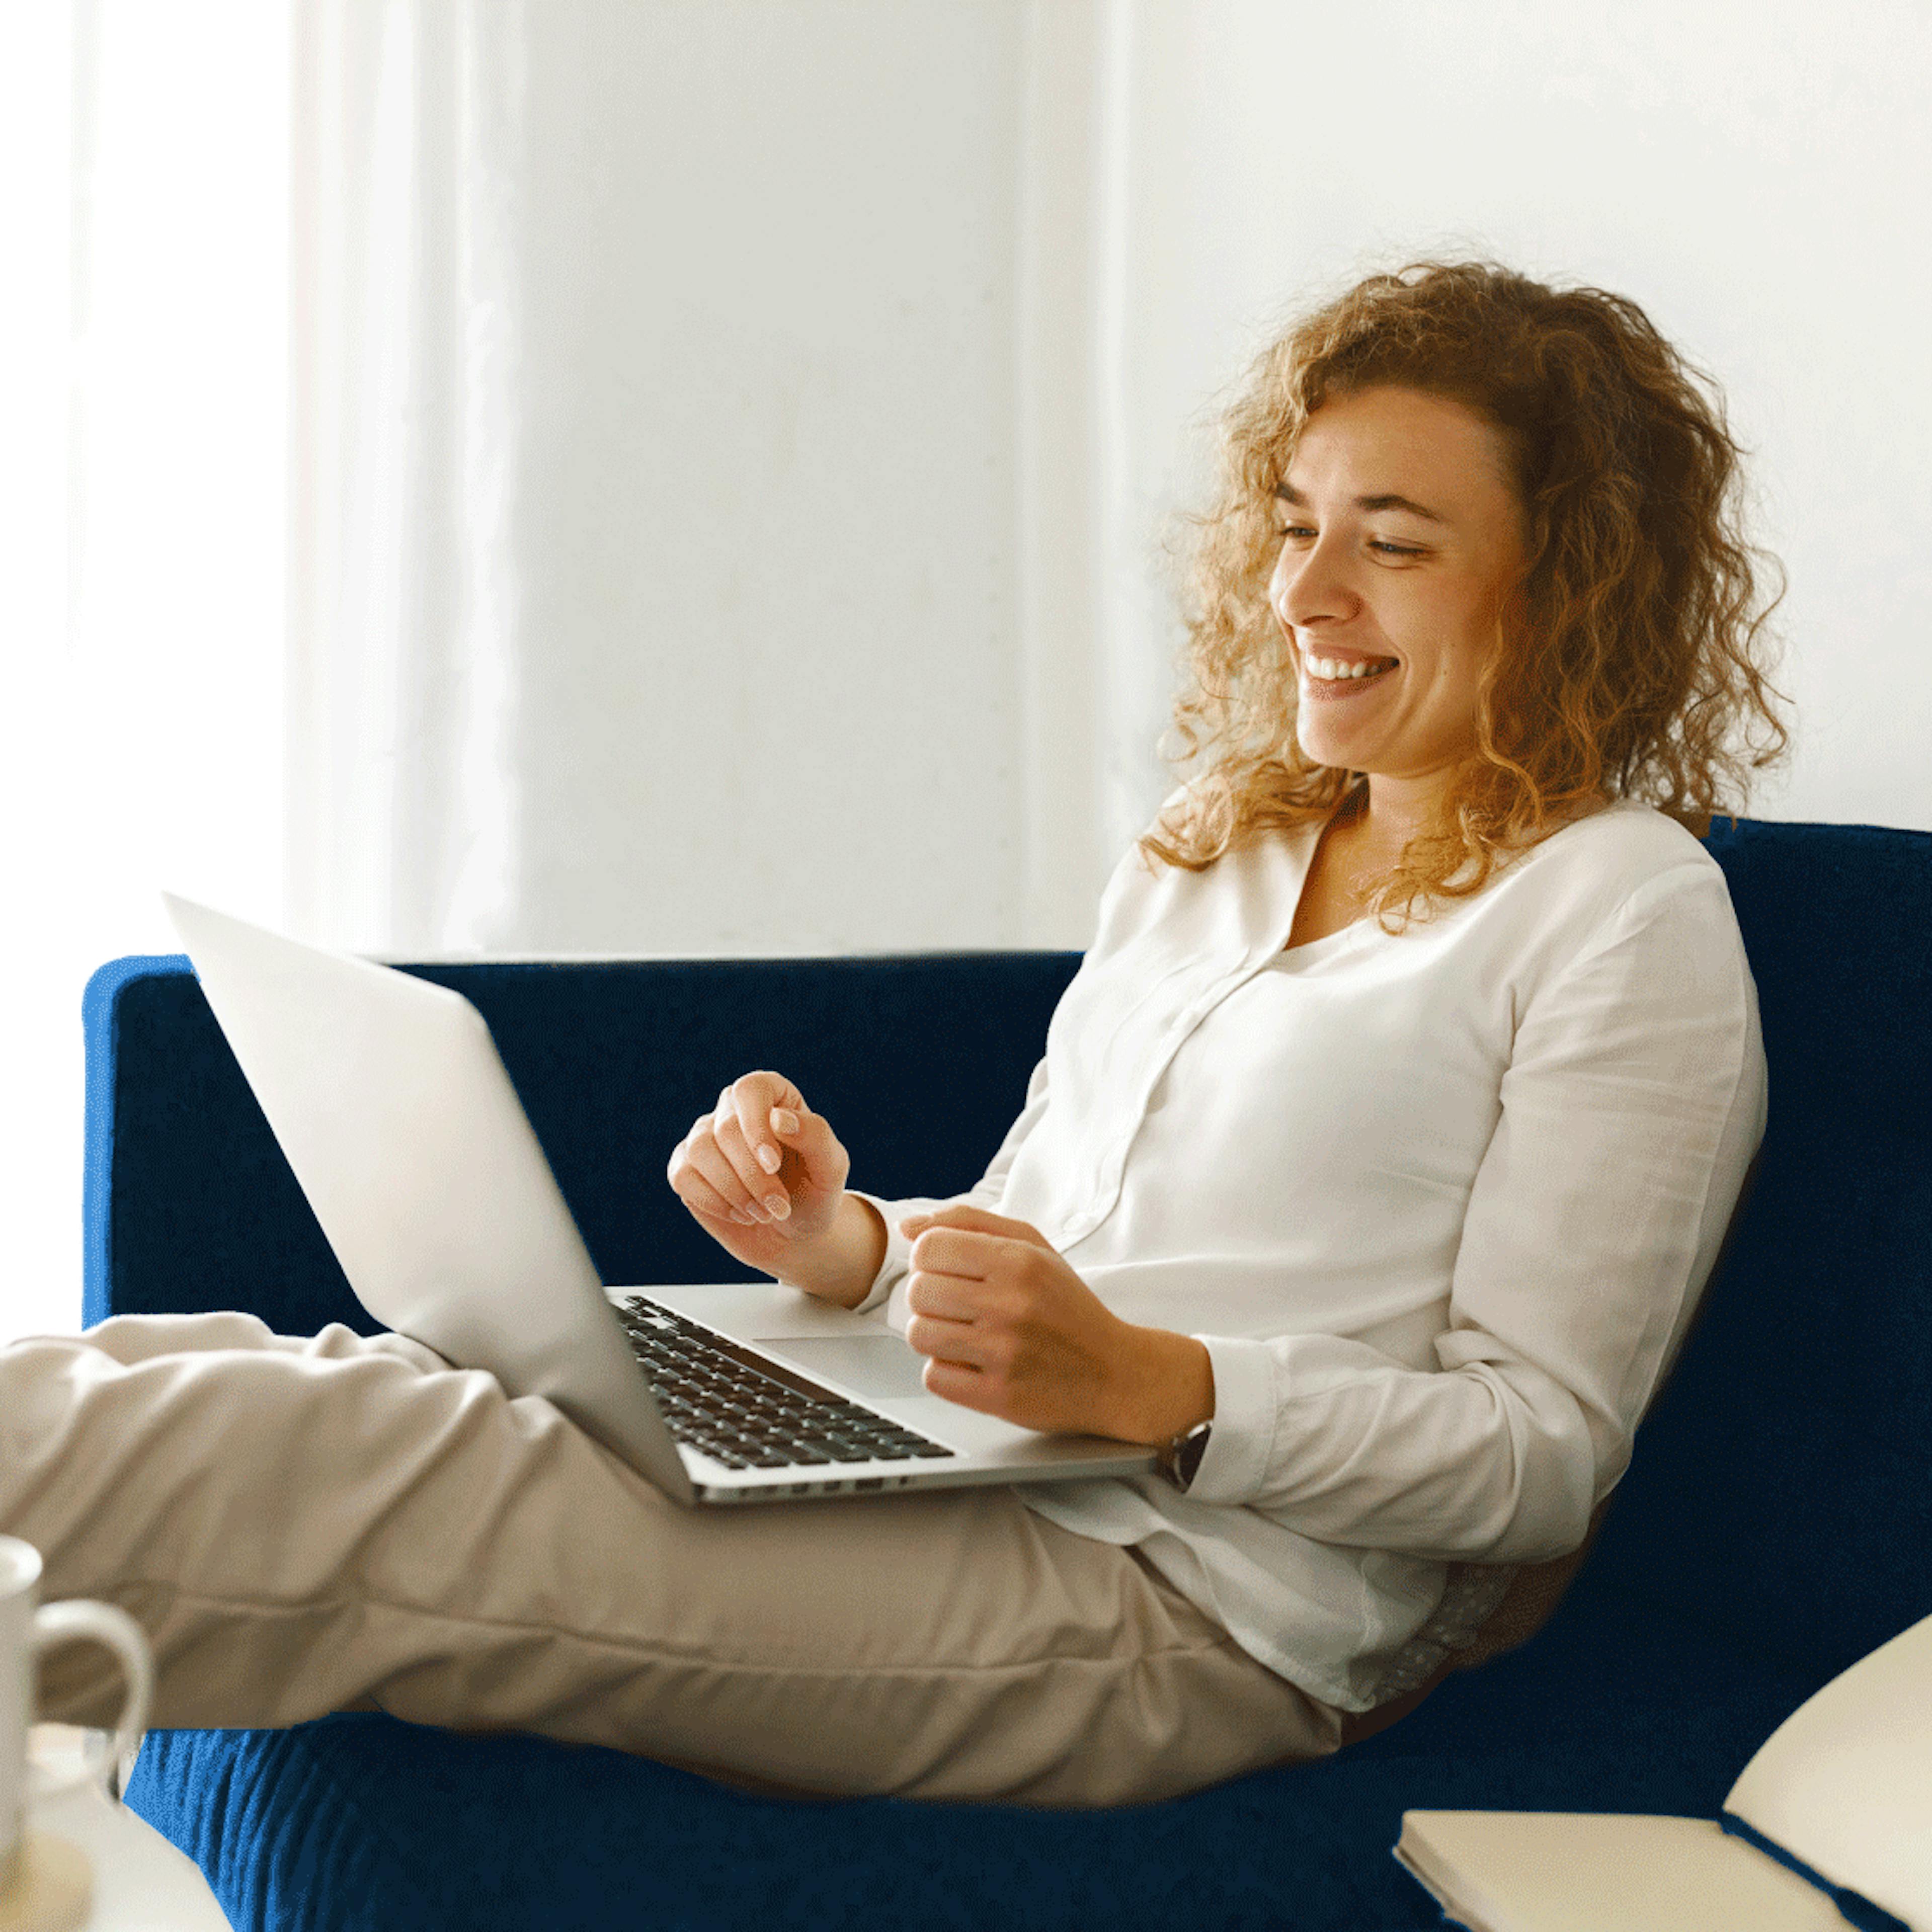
(311, 1525)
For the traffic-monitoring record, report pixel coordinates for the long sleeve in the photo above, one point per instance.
(1631, 1106)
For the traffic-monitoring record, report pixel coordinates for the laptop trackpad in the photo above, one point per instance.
(881, 1365)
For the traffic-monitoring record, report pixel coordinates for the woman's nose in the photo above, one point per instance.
(1308, 586)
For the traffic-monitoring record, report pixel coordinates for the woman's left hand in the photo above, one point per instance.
(1008, 1327)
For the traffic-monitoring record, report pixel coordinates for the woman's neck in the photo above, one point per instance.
(1380, 815)
(1383, 813)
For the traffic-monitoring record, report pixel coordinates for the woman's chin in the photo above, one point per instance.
(1336, 749)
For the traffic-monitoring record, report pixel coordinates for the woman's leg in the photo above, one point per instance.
(305, 1526)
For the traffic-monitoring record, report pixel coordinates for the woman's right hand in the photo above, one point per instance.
(765, 1177)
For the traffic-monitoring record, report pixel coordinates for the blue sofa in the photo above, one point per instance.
(1776, 1524)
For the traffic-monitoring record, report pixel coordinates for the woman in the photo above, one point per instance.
(1380, 1152)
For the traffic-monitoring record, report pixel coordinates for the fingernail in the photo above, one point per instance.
(770, 1160)
(783, 1120)
(778, 1207)
(743, 1219)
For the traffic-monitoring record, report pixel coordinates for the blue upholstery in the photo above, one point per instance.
(1776, 1523)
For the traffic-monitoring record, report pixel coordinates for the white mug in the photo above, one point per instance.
(24, 1632)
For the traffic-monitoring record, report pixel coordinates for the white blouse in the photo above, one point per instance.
(1440, 1204)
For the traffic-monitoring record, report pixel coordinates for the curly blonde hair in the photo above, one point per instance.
(1634, 670)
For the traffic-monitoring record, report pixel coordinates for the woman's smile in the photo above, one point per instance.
(1332, 680)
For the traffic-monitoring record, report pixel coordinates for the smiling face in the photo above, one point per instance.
(1402, 540)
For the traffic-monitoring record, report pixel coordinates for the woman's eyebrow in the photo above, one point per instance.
(1289, 493)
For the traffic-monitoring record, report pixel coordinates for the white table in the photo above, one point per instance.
(142, 1883)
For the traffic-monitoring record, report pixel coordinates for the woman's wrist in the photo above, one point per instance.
(1165, 1386)
(840, 1265)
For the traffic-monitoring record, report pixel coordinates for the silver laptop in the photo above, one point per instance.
(392, 1106)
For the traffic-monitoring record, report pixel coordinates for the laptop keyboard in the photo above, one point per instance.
(749, 1412)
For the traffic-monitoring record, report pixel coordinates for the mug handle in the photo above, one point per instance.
(80, 1618)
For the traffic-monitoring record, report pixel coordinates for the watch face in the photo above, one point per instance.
(1184, 1455)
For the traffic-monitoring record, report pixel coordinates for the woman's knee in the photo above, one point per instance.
(130, 1339)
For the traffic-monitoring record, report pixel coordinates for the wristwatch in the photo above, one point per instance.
(1181, 1460)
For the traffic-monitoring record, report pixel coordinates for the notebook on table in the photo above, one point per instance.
(1829, 1824)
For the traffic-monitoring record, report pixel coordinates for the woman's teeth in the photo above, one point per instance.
(1331, 668)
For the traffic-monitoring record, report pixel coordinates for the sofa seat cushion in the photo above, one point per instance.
(359, 1822)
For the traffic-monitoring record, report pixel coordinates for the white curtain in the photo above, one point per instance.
(407, 159)
(143, 198)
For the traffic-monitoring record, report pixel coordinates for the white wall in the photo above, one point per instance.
(1755, 175)
(768, 481)
(861, 356)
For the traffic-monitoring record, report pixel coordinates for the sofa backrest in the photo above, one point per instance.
(1781, 1493)
(919, 1061)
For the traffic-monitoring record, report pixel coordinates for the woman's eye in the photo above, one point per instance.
(1307, 533)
